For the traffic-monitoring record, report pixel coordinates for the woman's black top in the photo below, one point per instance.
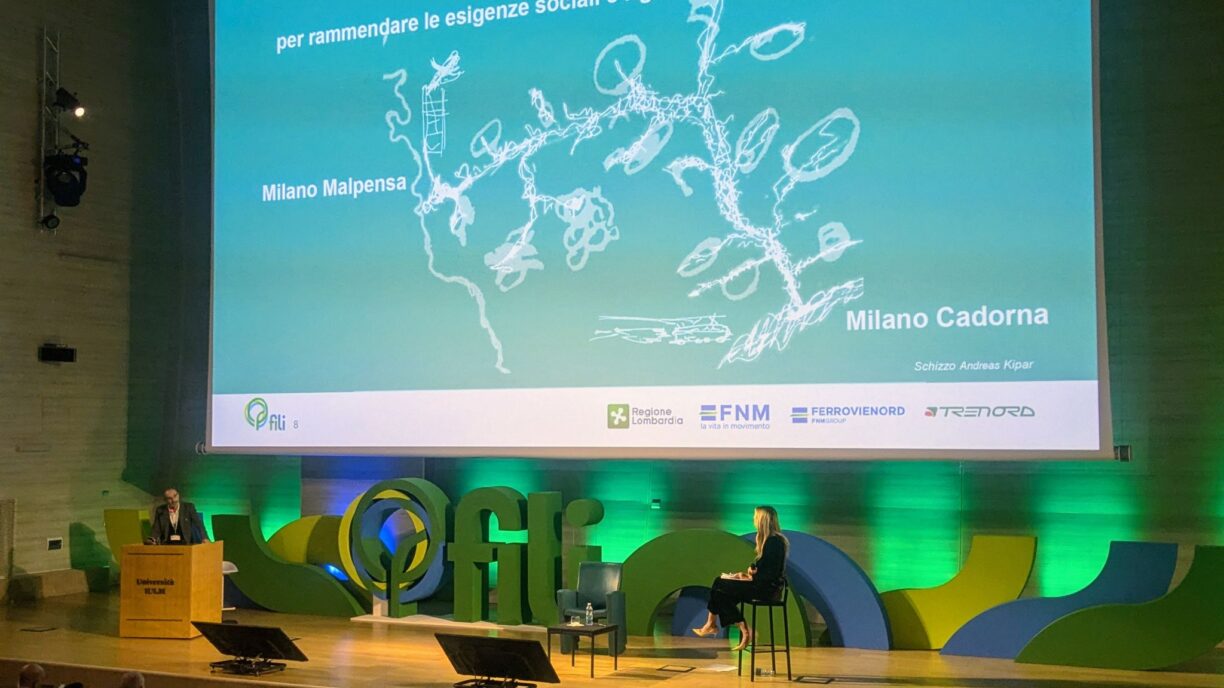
(772, 565)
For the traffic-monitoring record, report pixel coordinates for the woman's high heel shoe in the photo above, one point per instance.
(703, 633)
(743, 643)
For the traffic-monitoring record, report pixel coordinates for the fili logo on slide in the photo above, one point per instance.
(257, 413)
(258, 416)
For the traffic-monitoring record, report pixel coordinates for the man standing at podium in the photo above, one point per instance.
(177, 522)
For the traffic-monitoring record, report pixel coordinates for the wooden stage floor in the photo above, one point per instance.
(82, 630)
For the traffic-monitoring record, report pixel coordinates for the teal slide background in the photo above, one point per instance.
(972, 184)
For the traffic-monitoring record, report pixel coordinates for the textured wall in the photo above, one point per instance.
(63, 429)
(124, 280)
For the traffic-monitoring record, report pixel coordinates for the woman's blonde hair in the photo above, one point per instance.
(765, 518)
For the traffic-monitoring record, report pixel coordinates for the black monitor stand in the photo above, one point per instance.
(497, 662)
(252, 647)
(248, 666)
(493, 683)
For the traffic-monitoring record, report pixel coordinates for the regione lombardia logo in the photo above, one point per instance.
(618, 416)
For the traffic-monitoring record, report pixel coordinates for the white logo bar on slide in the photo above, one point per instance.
(987, 416)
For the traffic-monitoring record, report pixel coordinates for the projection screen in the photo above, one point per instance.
(668, 228)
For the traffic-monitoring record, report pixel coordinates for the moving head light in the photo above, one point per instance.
(66, 177)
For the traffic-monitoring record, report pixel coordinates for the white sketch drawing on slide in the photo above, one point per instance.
(589, 218)
(701, 329)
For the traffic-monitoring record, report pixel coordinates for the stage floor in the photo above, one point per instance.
(82, 630)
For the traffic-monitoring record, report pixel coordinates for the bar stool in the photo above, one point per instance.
(772, 646)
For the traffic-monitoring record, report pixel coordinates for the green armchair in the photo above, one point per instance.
(599, 584)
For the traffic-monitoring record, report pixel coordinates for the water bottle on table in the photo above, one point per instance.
(590, 614)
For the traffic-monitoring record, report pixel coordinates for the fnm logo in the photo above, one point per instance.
(257, 416)
(716, 413)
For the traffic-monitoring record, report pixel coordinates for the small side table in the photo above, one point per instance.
(590, 632)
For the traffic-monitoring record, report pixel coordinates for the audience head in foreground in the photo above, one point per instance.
(31, 676)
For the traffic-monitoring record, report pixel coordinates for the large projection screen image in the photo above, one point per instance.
(657, 228)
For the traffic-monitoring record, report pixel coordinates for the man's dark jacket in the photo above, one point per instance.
(191, 525)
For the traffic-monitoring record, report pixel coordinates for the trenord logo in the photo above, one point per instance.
(1006, 411)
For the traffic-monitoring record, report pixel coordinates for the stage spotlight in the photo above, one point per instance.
(68, 102)
(65, 174)
(51, 221)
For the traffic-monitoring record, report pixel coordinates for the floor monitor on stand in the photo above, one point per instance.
(497, 662)
(253, 648)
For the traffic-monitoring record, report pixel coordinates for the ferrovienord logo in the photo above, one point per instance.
(830, 414)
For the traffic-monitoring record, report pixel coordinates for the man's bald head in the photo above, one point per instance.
(31, 676)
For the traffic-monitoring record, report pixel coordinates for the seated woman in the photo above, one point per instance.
(762, 581)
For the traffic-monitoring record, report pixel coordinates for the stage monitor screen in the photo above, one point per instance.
(657, 228)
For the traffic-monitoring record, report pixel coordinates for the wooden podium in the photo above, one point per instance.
(162, 589)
